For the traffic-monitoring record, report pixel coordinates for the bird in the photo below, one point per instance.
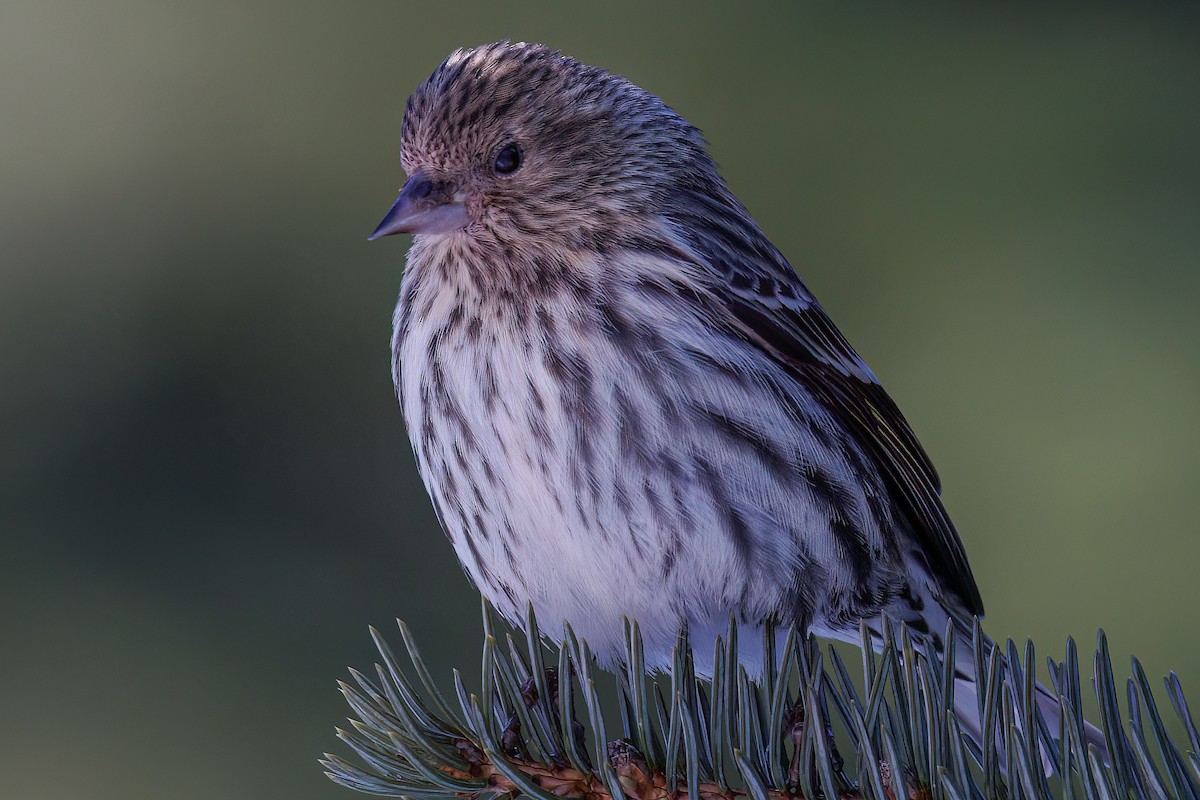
(625, 403)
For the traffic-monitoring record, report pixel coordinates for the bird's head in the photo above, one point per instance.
(516, 143)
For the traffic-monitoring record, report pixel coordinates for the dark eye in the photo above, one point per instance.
(508, 160)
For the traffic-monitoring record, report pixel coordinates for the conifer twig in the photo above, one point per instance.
(805, 729)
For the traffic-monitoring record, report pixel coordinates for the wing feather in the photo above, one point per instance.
(769, 305)
(800, 336)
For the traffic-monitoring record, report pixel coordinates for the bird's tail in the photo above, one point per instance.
(1047, 717)
(990, 683)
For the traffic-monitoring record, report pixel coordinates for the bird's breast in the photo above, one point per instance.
(534, 431)
(605, 451)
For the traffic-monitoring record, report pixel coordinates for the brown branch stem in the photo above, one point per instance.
(636, 781)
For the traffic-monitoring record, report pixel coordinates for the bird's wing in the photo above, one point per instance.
(771, 307)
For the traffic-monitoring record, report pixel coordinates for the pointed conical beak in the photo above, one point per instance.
(425, 206)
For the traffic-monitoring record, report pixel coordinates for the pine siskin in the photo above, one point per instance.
(623, 401)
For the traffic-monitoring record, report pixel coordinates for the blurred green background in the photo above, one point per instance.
(206, 492)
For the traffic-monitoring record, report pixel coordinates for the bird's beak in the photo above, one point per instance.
(424, 206)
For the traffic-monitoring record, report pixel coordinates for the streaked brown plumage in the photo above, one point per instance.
(622, 399)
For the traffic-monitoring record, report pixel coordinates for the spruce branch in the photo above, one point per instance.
(805, 728)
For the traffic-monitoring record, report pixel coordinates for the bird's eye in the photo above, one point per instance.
(508, 160)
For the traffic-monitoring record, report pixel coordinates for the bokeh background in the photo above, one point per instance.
(206, 492)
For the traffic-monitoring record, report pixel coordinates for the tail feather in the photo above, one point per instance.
(1047, 705)
(935, 621)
